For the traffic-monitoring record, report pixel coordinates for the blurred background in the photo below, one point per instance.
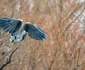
(64, 23)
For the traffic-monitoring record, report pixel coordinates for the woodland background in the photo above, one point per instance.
(64, 23)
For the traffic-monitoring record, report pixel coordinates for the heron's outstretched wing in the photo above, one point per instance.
(34, 32)
(10, 25)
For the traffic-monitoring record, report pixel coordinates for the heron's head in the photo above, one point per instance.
(23, 34)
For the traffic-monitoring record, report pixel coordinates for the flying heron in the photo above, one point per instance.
(19, 31)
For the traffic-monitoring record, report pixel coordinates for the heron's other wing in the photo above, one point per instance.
(10, 25)
(34, 32)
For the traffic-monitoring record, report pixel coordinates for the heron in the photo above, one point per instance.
(18, 31)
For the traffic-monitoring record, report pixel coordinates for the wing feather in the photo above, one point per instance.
(34, 32)
(10, 25)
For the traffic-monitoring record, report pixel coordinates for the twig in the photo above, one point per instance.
(8, 60)
(74, 13)
(72, 21)
(61, 7)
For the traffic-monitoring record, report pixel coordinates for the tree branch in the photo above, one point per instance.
(8, 60)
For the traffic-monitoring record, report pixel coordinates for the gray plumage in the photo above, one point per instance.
(19, 32)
